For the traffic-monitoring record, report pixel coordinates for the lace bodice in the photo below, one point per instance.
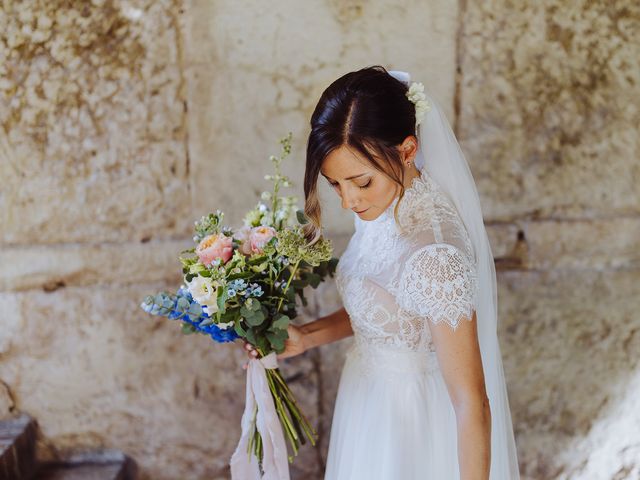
(395, 279)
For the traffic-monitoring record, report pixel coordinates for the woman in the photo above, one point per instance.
(422, 393)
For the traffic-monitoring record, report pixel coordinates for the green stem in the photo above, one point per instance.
(253, 429)
(295, 267)
(280, 410)
(259, 450)
(295, 416)
(311, 432)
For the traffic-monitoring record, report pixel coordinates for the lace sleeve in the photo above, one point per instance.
(439, 282)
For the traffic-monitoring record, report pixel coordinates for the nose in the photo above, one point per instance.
(348, 200)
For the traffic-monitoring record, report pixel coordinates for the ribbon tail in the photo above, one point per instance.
(274, 463)
(244, 466)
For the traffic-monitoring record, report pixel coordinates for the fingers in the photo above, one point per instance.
(251, 351)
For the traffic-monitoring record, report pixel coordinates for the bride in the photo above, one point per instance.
(422, 392)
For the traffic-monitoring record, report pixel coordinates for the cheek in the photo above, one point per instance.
(380, 191)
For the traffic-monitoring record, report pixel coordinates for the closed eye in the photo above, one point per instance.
(334, 184)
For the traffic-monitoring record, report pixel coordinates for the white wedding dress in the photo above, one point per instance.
(393, 417)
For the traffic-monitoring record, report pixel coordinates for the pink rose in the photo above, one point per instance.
(242, 235)
(258, 237)
(215, 246)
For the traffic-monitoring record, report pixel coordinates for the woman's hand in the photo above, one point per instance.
(294, 345)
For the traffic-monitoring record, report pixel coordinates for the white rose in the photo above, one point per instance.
(210, 308)
(202, 289)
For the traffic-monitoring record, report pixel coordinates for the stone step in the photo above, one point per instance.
(17, 447)
(93, 465)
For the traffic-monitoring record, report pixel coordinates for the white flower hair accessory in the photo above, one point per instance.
(416, 95)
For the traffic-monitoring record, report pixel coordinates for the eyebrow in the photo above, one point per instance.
(348, 178)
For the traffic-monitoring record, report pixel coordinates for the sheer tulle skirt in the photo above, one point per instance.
(393, 418)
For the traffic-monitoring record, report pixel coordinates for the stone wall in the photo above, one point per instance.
(122, 122)
(549, 113)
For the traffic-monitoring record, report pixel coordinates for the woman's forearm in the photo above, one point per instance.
(330, 328)
(474, 440)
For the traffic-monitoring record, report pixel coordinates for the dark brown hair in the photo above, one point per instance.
(367, 110)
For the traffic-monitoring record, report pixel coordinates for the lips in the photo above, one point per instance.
(361, 210)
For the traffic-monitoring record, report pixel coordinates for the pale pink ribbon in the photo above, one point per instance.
(244, 466)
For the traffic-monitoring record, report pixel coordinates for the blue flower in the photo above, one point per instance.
(183, 291)
(257, 291)
(254, 290)
(238, 284)
(182, 306)
(220, 335)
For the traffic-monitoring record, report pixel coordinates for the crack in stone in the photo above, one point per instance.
(457, 93)
(9, 394)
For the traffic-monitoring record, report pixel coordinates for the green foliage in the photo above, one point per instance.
(286, 266)
(293, 245)
(208, 225)
(281, 321)
(253, 312)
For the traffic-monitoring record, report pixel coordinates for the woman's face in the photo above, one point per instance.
(360, 186)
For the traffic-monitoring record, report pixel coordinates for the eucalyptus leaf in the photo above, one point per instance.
(253, 304)
(276, 341)
(281, 322)
(251, 336)
(263, 343)
(256, 318)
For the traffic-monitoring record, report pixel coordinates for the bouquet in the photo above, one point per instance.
(243, 284)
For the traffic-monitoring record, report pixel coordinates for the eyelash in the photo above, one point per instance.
(363, 186)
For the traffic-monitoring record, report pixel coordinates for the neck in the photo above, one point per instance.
(411, 172)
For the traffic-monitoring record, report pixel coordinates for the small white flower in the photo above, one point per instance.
(265, 221)
(226, 325)
(416, 95)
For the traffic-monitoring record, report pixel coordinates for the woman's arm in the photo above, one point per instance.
(313, 334)
(327, 329)
(459, 357)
